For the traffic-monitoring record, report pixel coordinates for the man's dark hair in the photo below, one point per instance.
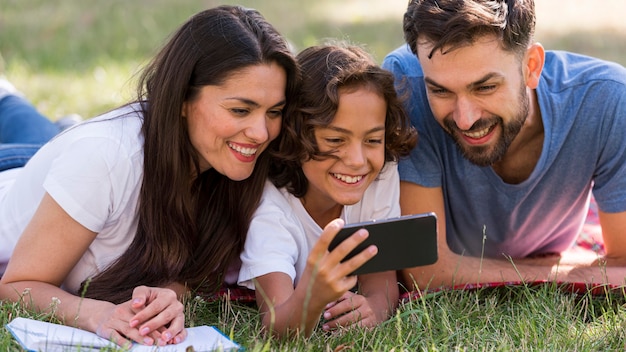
(451, 24)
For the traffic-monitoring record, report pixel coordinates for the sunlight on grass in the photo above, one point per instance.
(84, 93)
(79, 57)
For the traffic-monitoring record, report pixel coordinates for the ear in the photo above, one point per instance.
(183, 111)
(533, 64)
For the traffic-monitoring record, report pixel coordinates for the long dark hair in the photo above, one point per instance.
(191, 231)
(326, 69)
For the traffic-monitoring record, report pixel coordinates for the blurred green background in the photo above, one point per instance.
(80, 56)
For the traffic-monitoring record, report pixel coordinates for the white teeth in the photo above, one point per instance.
(347, 179)
(478, 134)
(242, 151)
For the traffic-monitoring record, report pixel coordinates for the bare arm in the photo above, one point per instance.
(48, 250)
(453, 269)
(612, 268)
(287, 310)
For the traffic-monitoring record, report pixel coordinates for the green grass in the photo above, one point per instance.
(80, 57)
(537, 318)
(76, 56)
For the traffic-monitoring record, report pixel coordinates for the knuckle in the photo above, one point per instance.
(119, 310)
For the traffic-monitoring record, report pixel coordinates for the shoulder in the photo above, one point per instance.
(402, 61)
(275, 205)
(564, 69)
(385, 184)
(272, 196)
(389, 172)
(113, 137)
(122, 125)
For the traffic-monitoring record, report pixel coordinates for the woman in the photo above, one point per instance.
(132, 208)
(336, 160)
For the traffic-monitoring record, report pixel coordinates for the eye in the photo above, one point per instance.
(486, 89)
(276, 113)
(239, 111)
(333, 141)
(437, 91)
(374, 141)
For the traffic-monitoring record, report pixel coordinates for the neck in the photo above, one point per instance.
(525, 150)
(321, 212)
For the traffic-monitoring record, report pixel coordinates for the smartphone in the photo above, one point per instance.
(403, 242)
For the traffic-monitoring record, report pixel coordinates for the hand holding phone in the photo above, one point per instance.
(402, 242)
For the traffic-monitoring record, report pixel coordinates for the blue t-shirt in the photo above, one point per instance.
(583, 107)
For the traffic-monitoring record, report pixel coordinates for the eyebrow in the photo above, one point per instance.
(254, 103)
(478, 82)
(343, 130)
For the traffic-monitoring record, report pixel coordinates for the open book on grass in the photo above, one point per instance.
(35, 335)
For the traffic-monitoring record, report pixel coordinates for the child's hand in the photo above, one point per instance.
(326, 276)
(350, 309)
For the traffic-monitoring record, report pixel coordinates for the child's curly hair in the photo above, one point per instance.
(326, 69)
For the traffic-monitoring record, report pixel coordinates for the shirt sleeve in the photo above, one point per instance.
(90, 180)
(274, 240)
(610, 178)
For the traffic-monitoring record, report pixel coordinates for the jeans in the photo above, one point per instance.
(23, 130)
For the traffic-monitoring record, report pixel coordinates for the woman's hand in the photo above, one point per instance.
(153, 316)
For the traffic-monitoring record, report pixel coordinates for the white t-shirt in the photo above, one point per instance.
(94, 172)
(282, 233)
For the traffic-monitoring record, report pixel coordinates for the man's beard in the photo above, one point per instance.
(488, 155)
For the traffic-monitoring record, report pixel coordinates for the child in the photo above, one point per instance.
(336, 161)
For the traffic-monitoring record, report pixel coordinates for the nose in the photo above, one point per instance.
(354, 155)
(257, 129)
(465, 113)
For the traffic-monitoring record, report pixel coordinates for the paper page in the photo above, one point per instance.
(202, 338)
(36, 335)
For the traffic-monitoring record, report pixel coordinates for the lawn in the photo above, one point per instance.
(519, 318)
(81, 57)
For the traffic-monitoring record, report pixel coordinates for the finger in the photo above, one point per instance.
(175, 328)
(330, 230)
(140, 297)
(180, 337)
(345, 296)
(172, 317)
(123, 336)
(120, 340)
(348, 319)
(350, 265)
(350, 304)
(160, 310)
(340, 252)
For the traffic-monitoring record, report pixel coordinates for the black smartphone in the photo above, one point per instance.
(403, 242)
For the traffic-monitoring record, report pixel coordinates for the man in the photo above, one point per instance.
(512, 140)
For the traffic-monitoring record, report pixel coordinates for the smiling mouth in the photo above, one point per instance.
(478, 134)
(347, 179)
(247, 152)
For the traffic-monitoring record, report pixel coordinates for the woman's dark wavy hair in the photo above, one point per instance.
(451, 24)
(325, 70)
(190, 231)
